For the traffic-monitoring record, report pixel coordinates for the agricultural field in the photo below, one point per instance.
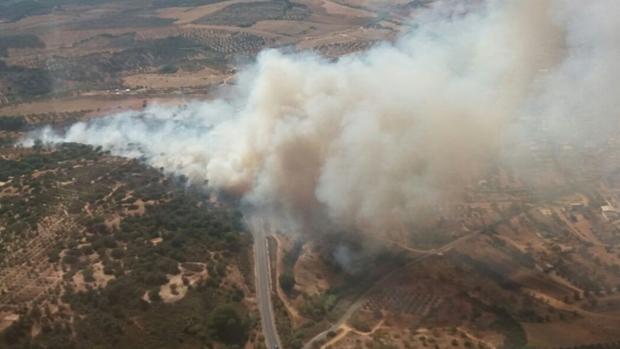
(246, 15)
(67, 49)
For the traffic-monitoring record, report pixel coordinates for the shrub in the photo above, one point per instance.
(69, 259)
(228, 325)
(287, 282)
(88, 274)
(117, 253)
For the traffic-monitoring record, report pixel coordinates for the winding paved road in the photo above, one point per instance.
(263, 290)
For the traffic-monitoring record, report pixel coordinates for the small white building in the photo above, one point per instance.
(609, 212)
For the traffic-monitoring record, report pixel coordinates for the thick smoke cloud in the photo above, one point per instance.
(371, 141)
(578, 99)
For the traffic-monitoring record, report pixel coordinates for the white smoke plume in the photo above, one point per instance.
(367, 142)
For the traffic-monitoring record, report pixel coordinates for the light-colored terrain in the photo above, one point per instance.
(331, 28)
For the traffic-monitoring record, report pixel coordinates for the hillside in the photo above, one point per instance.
(99, 251)
(309, 174)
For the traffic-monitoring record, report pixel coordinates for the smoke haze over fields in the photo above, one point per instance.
(367, 142)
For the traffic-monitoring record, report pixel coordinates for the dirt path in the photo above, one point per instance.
(346, 329)
(475, 339)
(558, 304)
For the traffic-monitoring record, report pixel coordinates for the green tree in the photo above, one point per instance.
(287, 282)
(227, 324)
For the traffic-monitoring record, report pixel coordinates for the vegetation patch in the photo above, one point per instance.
(19, 41)
(12, 123)
(247, 14)
(122, 20)
(25, 82)
(183, 3)
(107, 283)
